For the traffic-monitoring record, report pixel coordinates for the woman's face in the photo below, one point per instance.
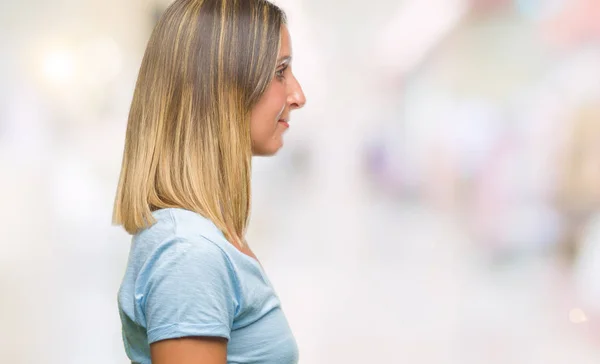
(271, 115)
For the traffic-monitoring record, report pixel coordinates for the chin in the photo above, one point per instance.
(267, 150)
(265, 153)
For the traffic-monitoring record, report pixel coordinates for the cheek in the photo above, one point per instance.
(276, 103)
(268, 110)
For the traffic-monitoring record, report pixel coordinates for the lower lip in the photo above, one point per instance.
(284, 123)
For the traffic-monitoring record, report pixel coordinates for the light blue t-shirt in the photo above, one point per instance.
(184, 278)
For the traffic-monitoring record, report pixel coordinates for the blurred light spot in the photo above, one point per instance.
(101, 61)
(59, 67)
(577, 316)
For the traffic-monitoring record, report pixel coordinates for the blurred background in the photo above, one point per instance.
(437, 200)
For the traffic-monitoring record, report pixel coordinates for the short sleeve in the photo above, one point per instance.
(189, 290)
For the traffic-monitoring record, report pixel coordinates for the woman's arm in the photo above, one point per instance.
(189, 350)
(188, 301)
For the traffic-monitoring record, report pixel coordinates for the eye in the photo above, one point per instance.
(280, 72)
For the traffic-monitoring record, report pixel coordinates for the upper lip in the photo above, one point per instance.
(286, 120)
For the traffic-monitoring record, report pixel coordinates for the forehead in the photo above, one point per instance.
(286, 42)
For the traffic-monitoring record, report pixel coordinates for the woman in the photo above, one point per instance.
(215, 87)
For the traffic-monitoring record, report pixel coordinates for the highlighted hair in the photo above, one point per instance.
(188, 142)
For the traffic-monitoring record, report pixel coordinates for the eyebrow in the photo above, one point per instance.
(284, 59)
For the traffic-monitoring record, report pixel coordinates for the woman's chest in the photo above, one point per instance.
(267, 340)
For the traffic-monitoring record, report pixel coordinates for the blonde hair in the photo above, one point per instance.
(188, 142)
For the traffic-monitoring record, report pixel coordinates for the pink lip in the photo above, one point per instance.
(285, 123)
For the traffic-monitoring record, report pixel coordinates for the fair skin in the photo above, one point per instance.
(269, 121)
(271, 115)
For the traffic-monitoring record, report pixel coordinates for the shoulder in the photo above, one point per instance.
(185, 283)
(180, 236)
(174, 224)
(184, 224)
(182, 249)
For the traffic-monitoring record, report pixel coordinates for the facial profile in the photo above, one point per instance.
(270, 117)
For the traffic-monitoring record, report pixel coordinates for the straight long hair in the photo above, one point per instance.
(188, 143)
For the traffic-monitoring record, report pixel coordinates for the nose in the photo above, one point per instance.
(296, 98)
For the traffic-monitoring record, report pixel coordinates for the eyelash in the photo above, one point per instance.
(279, 73)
